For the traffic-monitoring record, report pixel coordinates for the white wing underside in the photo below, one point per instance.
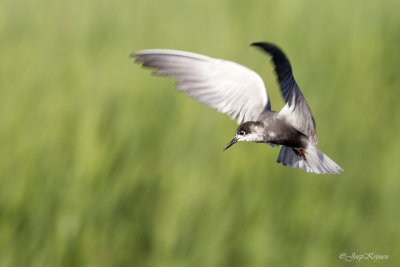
(223, 85)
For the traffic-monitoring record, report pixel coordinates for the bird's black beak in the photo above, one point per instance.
(234, 140)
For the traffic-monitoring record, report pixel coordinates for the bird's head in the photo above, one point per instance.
(250, 131)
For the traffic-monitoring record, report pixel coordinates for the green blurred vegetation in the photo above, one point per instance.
(102, 164)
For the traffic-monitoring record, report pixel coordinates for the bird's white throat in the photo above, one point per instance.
(252, 137)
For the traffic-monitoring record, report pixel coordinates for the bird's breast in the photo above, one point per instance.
(284, 134)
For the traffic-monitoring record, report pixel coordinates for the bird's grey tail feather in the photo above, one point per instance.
(315, 162)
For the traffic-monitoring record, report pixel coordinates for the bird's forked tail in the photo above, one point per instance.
(309, 159)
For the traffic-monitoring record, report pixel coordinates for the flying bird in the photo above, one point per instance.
(240, 93)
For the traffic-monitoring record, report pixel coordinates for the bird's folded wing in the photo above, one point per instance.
(224, 85)
(296, 110)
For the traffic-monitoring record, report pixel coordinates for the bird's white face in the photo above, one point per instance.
(252, 133)
(250, 137)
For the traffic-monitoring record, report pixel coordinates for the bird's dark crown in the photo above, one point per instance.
(247, 127)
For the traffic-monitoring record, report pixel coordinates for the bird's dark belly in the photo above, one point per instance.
(290, 137)
(290, 142)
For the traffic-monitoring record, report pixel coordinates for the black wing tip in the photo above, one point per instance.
(281, 61)
(270, 48)
(282, 66)
(262, 44)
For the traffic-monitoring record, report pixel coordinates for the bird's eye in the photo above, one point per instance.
(241, 133)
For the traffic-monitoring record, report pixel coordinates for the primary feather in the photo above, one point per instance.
(224, 85)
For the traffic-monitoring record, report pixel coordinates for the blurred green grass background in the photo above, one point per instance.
(102, 164)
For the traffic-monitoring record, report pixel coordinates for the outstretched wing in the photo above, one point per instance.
(296, 110)
(223, 85)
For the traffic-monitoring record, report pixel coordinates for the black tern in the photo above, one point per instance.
(240, 93)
